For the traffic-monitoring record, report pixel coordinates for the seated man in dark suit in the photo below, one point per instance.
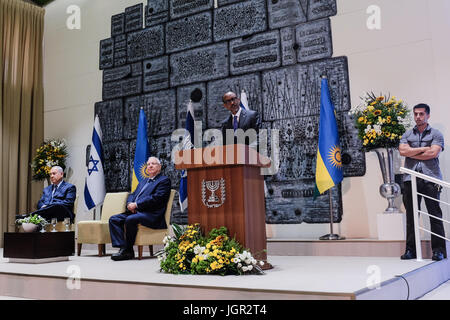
(146, 205)
(58, 198)
(239, 118)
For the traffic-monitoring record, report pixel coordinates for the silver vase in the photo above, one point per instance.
(389, 189)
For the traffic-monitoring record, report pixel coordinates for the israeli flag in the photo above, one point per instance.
(94, 189)
(187, 144)
(244, 101)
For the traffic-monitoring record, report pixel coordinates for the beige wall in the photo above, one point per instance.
(408, 57)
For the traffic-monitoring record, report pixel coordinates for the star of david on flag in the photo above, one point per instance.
(94, 188)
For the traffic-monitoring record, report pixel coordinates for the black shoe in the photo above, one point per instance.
(408, 255)
(437, 256)
(123, 254)
(118, 253)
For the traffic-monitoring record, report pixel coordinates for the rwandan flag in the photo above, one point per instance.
(329, 163)
(142, 152)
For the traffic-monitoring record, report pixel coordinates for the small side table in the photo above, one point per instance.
(38, 247)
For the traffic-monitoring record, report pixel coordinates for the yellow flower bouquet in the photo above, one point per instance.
(52, 152)
(189, 252)
(381, 121)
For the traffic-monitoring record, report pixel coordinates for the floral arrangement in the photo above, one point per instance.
(34, 219)
(381, 121)
(189, 252)
(52, 152)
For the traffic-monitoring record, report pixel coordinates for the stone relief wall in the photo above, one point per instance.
(163, 54)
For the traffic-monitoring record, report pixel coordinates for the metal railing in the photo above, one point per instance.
(416, 211)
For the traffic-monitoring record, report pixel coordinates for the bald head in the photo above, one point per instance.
(231, 102)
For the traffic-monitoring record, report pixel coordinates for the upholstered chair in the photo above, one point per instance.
(148, 236)
(97, 231)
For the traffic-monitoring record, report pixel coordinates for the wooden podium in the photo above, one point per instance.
(226, 188)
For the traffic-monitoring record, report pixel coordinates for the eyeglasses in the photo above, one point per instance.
(231, 100)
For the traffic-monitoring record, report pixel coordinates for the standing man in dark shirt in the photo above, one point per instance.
(421, 146)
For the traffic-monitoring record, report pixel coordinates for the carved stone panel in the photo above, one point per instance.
(298, 148)
(288, 46)
(295, 91)
(106, 53)
(189, 32)
(157, 106)
(161, 104)
(145, 44)
(284, 13)
(110, 114)
(116, 155)
(136, 69)
(156, 74)
(239, 20)
(314, 40)
(117, 24)
(202, 64)
(353, 159)
(122, 88)
(156, 12)
(120, 50)
(196, 93)
(134, 17)
(255, 53)
(319, 9)
(293, 202)
(181, 8)
(116, 73)
(217, 113)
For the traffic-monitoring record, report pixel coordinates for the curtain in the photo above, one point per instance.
(21, 107)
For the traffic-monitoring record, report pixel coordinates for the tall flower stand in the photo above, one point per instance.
(391, 223)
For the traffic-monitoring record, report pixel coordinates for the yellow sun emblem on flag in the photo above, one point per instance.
(334, 157)
(143, 171)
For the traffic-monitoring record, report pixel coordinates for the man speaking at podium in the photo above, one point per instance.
(240, 118)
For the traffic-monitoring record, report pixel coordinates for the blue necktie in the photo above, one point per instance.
(235, 123)
(143, 188)
(54, 190)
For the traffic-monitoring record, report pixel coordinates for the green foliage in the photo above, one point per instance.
(34, 219)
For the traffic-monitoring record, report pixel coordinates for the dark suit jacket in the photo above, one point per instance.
(65, 195)
(248, 119)
(152, 202)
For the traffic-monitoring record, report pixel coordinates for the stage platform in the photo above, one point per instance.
(347, 276)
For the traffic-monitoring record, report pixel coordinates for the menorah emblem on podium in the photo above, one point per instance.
(213, 201)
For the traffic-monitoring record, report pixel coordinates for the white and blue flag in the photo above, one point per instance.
(94, 189)
(187, 144)
(244, 101)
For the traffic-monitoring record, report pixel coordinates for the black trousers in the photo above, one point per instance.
(432, 190)
(55, 211)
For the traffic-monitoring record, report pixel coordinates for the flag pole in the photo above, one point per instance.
(331, 235)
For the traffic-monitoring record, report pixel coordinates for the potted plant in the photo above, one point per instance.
(32, 223)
